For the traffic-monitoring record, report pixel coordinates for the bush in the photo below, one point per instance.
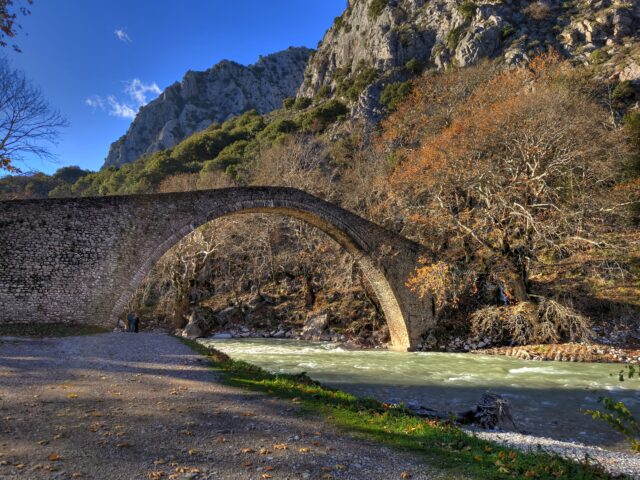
(467, 9)
(507, 31)
(376, 7)
(624, 91)
(323, 92)
(324, 115)
(414, 66)
(527, 323)
(454, 36)
(538, 11)
(393, 94)
(599, 56)
(302, 103)
(364, 78)
(288, 103)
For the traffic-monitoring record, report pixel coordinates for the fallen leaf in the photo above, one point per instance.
(280, 446)
(54, 457)
(247, 463)
(221, 440)
(247, 414)
(155, 475)
(123, 445)
(264, 451)
(43, 442)
(304, 450)
(160, 461)
(20, 466)
(76, 475)
(192, 452)
(266, 475)
(72, 395)
(268, 468)
(405, 475)
(248, 450)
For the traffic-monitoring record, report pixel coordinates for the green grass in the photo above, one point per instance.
(48, 330)
(441, 444)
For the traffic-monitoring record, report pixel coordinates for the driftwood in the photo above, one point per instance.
(492, 411)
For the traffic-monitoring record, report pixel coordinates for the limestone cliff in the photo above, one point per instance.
(225, 90)
(378, 41)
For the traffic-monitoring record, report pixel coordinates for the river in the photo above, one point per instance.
(546, 397)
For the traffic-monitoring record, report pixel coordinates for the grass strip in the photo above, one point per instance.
(48, 330)
(442, 444)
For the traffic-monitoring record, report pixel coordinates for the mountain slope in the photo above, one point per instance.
(377, 41)
(225, 90)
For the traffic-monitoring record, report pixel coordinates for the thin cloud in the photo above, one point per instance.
(121, 110)
(139, 94)
(95, 102)
(122, 35)
(138, 91)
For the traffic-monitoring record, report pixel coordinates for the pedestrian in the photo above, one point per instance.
(130, 322)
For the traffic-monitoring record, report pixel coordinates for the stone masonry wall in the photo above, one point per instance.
(80, 259)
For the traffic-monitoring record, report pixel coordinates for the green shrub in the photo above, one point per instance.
(322, 116)
(277, 129)
(376, 7)
(302, 103)
(454, 36)
(599, 56)
(467, 9)
(323, 92)
(624, 91)
(353, 88)
(507, 31)
(393, 94)
(288, 103)
(414, 66)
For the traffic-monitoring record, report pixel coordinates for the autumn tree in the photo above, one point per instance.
(9, 12)
(520, 166)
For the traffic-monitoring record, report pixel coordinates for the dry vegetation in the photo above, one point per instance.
(522, 185)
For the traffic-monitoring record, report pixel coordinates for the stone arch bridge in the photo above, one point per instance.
(81, 259)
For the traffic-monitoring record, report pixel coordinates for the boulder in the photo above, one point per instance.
(314, 326)
(192, 330)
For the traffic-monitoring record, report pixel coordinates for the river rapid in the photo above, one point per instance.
(546, 397)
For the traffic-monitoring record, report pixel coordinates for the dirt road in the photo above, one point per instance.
(127, 406)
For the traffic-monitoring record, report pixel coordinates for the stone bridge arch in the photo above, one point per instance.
(81, 259)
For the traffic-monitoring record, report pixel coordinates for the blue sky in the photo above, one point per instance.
(97, 60)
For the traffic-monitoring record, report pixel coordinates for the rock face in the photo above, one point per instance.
(398, 38)
(223, 91)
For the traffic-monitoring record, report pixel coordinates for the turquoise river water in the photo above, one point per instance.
(546, 397)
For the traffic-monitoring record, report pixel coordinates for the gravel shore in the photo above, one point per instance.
(124, 406)
(615, 463)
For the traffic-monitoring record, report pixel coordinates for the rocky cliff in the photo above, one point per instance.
(379, 41)
(225, 90)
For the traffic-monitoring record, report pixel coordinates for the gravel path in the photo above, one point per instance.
(122, 406)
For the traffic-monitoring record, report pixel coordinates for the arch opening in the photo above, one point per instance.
(323, 219)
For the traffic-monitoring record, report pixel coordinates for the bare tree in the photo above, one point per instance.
(28, 124)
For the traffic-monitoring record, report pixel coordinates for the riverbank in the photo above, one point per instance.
(439, 442)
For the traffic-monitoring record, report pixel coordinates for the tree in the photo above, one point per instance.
(521, 168)
(27, 121)
(8, 16)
